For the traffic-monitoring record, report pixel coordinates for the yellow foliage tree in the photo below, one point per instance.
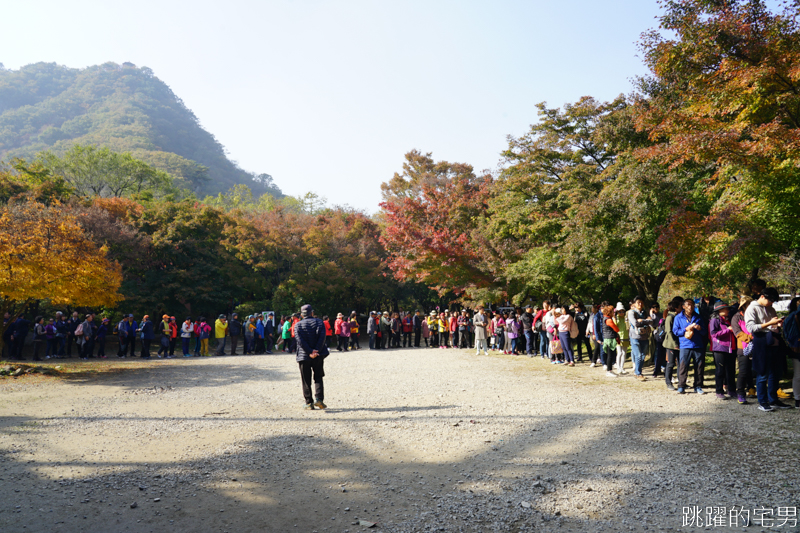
(46, 255)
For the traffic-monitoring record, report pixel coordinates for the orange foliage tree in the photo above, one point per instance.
(45, 255)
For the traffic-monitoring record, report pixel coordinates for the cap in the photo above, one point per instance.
(105, 320)
(720, 305)
(270, 314)
(222, 316)
(372, 312)
(306, 310)
(619, 307)
(172, 318)
(130, 316)
(235, 314)
(339, 315)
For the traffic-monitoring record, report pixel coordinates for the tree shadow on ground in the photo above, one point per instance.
(310, 480)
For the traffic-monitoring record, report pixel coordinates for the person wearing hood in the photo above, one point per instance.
(309, 334)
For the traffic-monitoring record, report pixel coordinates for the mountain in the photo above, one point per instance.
(46, 106)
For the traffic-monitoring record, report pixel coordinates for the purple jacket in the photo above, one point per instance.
(722, 337)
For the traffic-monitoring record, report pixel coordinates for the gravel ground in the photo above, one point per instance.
(414, 440)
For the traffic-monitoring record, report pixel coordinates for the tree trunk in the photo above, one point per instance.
(648, 286)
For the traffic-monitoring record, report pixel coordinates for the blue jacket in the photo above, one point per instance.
(260, 328)
(597, 323)
(310, 336)
(132, 327)
(698, 340)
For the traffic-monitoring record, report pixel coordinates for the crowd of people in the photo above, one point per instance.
(750, 344)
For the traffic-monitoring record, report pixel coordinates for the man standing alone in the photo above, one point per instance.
(309, 334)
(479, 322)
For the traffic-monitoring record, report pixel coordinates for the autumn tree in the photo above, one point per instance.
(431, 213)
(724, 93)
(46, 255)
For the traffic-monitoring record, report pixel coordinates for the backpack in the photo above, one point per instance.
(791, 331)
(660, 334)
(79, 329)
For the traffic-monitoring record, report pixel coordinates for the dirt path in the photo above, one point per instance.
(415, 440)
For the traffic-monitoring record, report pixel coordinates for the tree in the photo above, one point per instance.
(46, 255)
(724, 93)
(100, 172)
(431, 212)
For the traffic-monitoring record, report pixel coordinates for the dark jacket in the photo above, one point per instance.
(269, 329)
(310, 335)
(581, 320)
(21, 327)
(418, 322)
(72, 324)
(527, 321)
(147, 330)
(234, 328)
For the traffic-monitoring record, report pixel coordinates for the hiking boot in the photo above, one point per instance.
(319, 405)
(783, 395)
(309, 407)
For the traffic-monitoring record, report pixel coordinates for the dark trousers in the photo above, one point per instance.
(543, 343)
(101, 347)
(234, 343)
(132, 345)
(123, 347)
(725, 371)
(581, 342)
(417, 336)
(687, 357)
(443, 338)
(396, 337)
(406, 339)
(307, 368)
(260, 348)
(463, 340)
(163, 345)
(172, 342)
(597, 353)
(37, 347)
(529, 349)
(372, 340)
(70, 340)
(88, 348)
(660, 359)
(744, 378)
(146, 347)
(342, 343)
(270, 344)
(185, 344)
(384, 338)
(673, 356)
(60, 341)
(16, 348)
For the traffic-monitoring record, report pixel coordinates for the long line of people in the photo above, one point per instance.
(750, 344)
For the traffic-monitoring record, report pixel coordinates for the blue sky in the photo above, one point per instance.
(327, 96)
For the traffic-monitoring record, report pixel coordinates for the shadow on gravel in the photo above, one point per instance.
(215, 373)
(579, 472)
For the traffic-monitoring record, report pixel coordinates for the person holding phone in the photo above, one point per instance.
(764, 325)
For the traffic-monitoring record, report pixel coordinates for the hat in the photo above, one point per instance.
(372, 312)
(130, 316)
(433, 313)
(221, 316)
(339, 315)
(720, 305)
(306, 310)
(172, 318)
(271, 314)
(235, 314)
(88, 315)
(619, 307)
(771, 294)
(105, 320)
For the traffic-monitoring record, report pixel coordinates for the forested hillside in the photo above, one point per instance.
(45, 106)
